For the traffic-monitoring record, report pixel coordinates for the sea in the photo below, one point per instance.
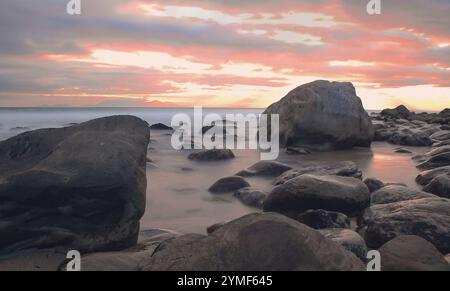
(177, 188)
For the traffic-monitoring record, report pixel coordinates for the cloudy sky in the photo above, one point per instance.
(221, 53)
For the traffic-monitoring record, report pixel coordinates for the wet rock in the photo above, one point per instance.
(347, 238)
(373, 184)
(439, 186)
(297, 151)
(403, 151)
(344, 169)
(436, 161)
(441, 135)
(251, 196)
(333, 193)
(320, 219)
(255, 242)
(411, 253)
(81, 186)
(212, 155)
(212, 228)
(396, 193)
(228, 184)
(428, 218)
(425, 177)
(396, 113)
(265, 168)
(323, 115)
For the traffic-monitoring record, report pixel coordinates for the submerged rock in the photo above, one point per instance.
(81, 186)
(323, 115)
(334, 193)
(255, 242)
(320, 219)
(251, 196)
(228, 184)
(411, 253)
(428, 218)
(265, 168)
(212, 155)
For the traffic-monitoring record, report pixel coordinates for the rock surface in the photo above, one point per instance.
(81, 186)
(334, 193)
(373, 184)
(320, 219)
(345, 169)
(439, 186)
(255, 242)
(160, 126)
(323, 115)
(228, 184)
(428, 218)
(396, 193)
(347, 238)
(411, 253)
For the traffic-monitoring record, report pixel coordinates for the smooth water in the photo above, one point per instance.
(177, 195)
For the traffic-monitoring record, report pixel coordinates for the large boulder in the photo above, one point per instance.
(251, 196)
(334, 193)
(323, 115)
(411, 253)
(428, 218)
(396, 193)
(255, 242)
(426, 177)
(82, 186)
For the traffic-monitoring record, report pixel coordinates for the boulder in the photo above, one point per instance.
(436, 161)
(347, 238)
(334, 193)
(255, 242)
(228, 184)
(400, 112)
(320, 219)
(323, 115)
(439, 186)
(373, 184)
(428, 218)
(396, 193)
(441, 135)
(251, 196)
(345, 169)
(265, 168)
(82, 186)
(212, 155)
(425, 177)
(411, 253)
(408, 137)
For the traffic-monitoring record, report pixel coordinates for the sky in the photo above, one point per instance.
(221, 53)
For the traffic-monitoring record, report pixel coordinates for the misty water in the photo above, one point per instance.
(177, 195)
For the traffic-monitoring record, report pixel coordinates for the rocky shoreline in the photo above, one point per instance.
(83, 187)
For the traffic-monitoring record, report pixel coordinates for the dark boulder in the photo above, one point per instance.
(320, 219)
(228, 184)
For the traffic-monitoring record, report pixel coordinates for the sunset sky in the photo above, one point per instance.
(222, 53)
